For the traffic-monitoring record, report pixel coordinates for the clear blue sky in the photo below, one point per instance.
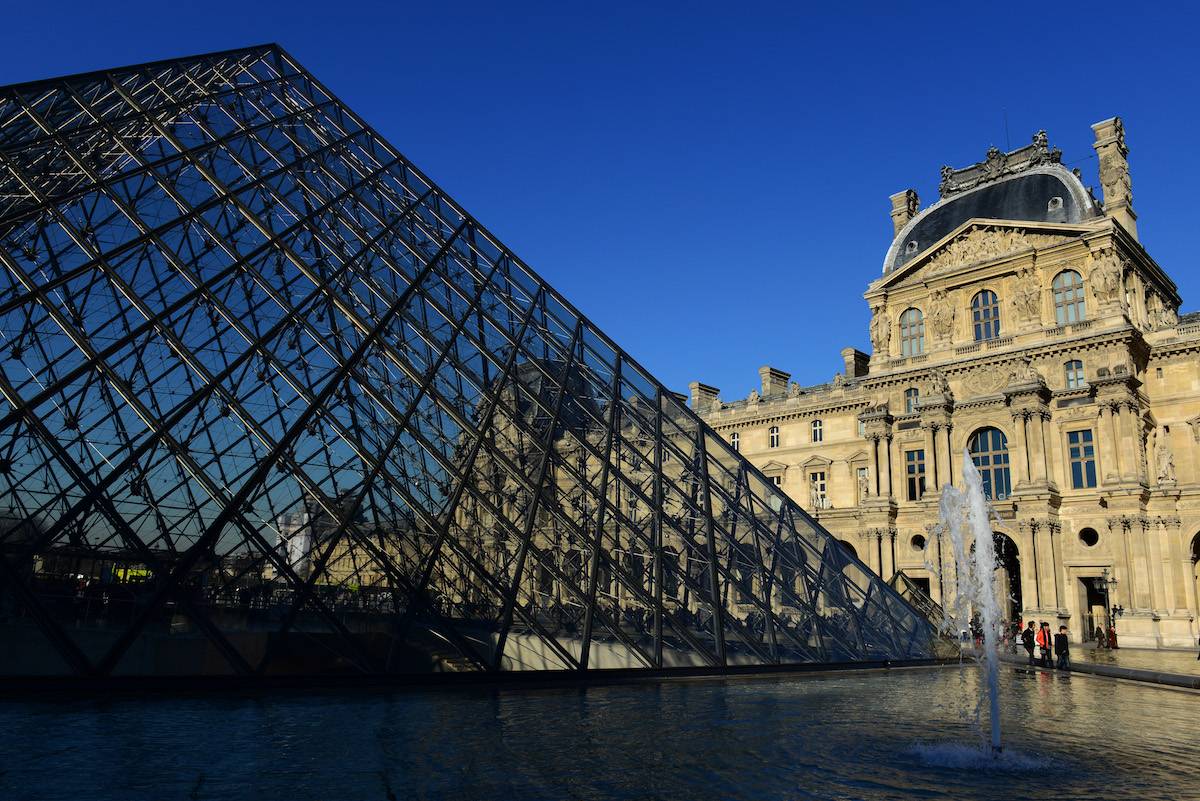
(707, 182)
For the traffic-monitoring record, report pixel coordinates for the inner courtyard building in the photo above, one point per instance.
(1018, 319)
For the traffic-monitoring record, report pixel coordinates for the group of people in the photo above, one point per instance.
(1045, 642)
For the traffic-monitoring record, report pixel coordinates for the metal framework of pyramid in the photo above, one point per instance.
(274, 404)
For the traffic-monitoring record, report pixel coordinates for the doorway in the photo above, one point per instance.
(1091, 593)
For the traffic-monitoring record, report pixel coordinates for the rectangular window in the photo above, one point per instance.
(864, 489)
(777, 480)
(914, 471)
(816, 486)
(1082, 451)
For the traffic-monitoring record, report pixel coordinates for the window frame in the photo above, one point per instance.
(985, 315)
(735, 441)
(914, 473)
(912, 332)
(822, 480)
(993, 461)
(1070, 299)
(773, 437)
(816, 430)
(1075, 376)
(912, 397)
(1081, 458)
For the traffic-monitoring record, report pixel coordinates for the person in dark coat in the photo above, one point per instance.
(1027, 640)
(1062, 649)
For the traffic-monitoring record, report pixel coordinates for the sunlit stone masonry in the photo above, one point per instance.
(1018, 317)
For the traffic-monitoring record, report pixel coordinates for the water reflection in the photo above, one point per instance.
(906, 734)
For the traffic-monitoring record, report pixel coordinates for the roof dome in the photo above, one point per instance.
(1026, 184)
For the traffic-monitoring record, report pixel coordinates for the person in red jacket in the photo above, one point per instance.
(1044, 641)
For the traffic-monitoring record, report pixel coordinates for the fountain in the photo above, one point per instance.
(965, 516)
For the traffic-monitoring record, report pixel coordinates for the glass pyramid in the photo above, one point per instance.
(273, 403)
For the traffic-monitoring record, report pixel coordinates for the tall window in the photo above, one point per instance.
(862, 427)
(912, 332)
(985, 313)
(773, 437)
(777, 480)
(1074, 371)
(989, 452)
(914, 472)
(735, 440)
(1068, 297)
(1082, 453)
(911, 396)
(818, 431)
(817, 488)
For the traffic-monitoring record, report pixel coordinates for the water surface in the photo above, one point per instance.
(897, 735)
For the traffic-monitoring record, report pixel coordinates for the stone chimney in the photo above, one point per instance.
(703, 397)
(1114, 173)
(904, 207)
(774, 382)
(857, 362)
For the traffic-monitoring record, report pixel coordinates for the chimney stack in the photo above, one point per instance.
(703, 397)
(857, 362)
(1114, 173)
(774, 382)
(904, 207)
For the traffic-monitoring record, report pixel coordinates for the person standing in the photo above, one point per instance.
(1044, 643)
(1062, 649)
(1027, 637)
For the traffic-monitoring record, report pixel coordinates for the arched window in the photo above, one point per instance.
(1074, 371)
(1068, 297)
(985, 314)
(773, 437)
(989, 452)
(911, 396)
(912, 332)
(818, 431)
(735, 439)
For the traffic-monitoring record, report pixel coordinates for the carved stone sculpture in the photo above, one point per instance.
(938, 383)
(1027, 297)
(941, 315)
(881, 331)
(864, 488)
(1025, 373)
(1107, 277)
(793, 390)
(1166, 461)
(752, 397)
(814, 494)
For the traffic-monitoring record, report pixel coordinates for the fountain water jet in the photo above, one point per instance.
(965, 514)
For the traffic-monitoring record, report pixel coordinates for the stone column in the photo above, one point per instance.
(1160, 555)
(1041, 460)
(875, 463)
(886, 541)
(1127, 562)
(1036, 569)
(1106, 441)
(1128, 443)
(1183, 560)
(1022, 447)
(891, 489)
(949, 457)
(931, 460)
(1046, 566)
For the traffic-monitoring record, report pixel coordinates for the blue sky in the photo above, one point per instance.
(707, 182)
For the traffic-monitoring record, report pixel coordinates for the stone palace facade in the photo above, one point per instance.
(1019, 319)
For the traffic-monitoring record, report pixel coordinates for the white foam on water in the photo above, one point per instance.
(960, 756)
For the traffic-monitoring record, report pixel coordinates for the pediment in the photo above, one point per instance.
(859, 456)
(773, 466)
(977, 241)
(816, 461)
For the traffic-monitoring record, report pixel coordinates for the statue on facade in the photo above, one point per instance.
(864, 487)
(838, 379)
(881, 331)
(1107, 276)
(1028, 297)
(938, 383)
(941, 315)
(1166, 461)
(1024, 373)
(794, 390)
(752, 397)
(814, 494)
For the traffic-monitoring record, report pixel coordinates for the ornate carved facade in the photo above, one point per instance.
(1020, 319)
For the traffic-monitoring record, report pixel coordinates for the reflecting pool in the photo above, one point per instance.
(902, 734)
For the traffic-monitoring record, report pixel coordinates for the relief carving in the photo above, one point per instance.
(941, 315)
(984, 381)
(985, 242)
(1027, 297)
(1107, 276)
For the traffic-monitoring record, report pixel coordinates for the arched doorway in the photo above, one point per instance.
(1007, 576)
